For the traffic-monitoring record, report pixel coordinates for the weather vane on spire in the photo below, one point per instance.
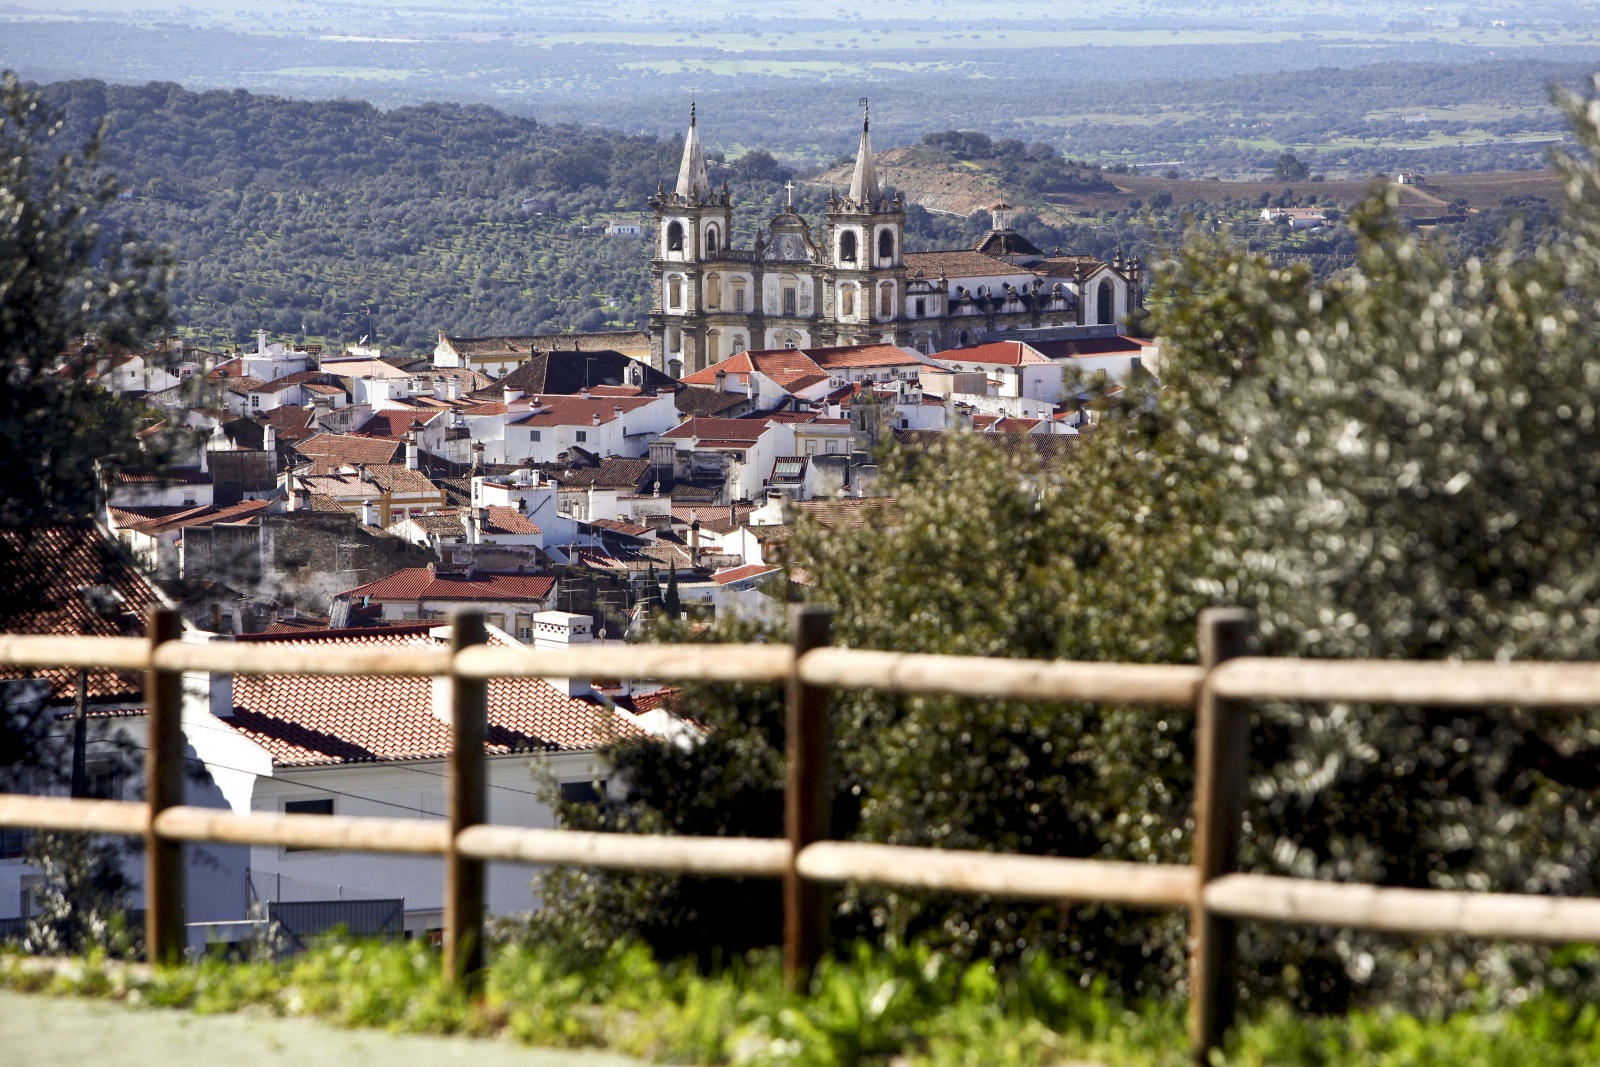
(865, 111)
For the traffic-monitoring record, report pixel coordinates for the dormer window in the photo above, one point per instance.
(847, 247)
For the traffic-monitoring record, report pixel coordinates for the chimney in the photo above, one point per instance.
(452, 388)
(300, 500)
(482, 517)
(206, 693)
(561, 631)
(269, 439)
(411, 452)
(512, 395)
(694, 541)
(595, 418)
(617, 411)
(722, 380)
(477, 456)
(584, 392)
(369, 514)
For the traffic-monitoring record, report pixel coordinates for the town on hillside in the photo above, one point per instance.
(570, 487)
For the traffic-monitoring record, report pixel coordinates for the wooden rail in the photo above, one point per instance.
(1210, 888)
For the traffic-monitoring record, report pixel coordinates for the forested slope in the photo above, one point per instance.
(331, 220)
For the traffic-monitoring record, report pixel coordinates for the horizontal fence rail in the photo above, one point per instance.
(1218, 691)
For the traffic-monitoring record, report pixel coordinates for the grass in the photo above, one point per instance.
(871, 1007)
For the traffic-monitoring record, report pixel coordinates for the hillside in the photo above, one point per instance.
(333, 220)
(943, 183)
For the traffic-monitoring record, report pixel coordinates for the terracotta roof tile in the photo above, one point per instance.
(68, 579)
(329, 451)
(422, 583)
(311, 721)
(997, 353)
(739, 574)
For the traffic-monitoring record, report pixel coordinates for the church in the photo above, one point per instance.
(850, 280)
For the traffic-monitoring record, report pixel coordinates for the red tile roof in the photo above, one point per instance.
(313, 721)
(577, 411)
(739, 574)
(68, 579)
(780, 364)
(394, 424)
(328, 451)
(998, 353)
(745, 431)
(504, 519)
(421, 583)
(959, 263)
(879, 355)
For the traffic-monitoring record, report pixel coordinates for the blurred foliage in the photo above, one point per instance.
(63, 275)
(1400, 463)
(864, 1007)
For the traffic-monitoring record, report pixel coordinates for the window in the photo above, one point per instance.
(675, 340)
(713, 291)
(811, 448)
(497, 619)
(582, 792)
(738, 298)
(524, 626)
(922, 307)
(791, 342)
(713, 346)
(905, 424)
(533, 435)
(1137, 364)
(104, 779)
(1105, 303)
(711, 240)
(582, 435)
(833, 447)
(847, 300)
(675, 237)
(886, 301)
(255, 400)
(885, 245)
(674, 292)
(847, 247)
(790, 299)
(306, 807)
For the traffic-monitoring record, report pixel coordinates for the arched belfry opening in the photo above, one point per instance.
(847, 247)
(675, 237)
(886, 245)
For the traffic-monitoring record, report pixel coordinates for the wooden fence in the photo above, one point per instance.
(1219, 690)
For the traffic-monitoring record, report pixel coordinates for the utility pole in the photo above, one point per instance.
(80, 738)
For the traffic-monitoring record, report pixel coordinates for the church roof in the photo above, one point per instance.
(959, 263)
(693, 184)
(628, 342)
(1006, 243)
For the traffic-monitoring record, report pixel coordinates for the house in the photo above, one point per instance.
(380, 746)
(1297, 218)
(624, 229)
(71, 579)
(544, 428)
(297, 560)
(379, 493)
(421, 594)
(1016, 368)
(497, 356)
(737, 453)
(173, 487)
(740, 595)
(153, 535)
(1117, 356)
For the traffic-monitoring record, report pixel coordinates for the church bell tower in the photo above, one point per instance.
(864, 279)
(693, 226)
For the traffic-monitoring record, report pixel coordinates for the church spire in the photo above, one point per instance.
(864, 183)
(692, 181)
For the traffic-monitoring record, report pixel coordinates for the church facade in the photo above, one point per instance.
(850, 279)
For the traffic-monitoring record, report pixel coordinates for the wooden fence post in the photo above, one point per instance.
(165, 936)
(1222, 746)
(807, 802)
(464, 877)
